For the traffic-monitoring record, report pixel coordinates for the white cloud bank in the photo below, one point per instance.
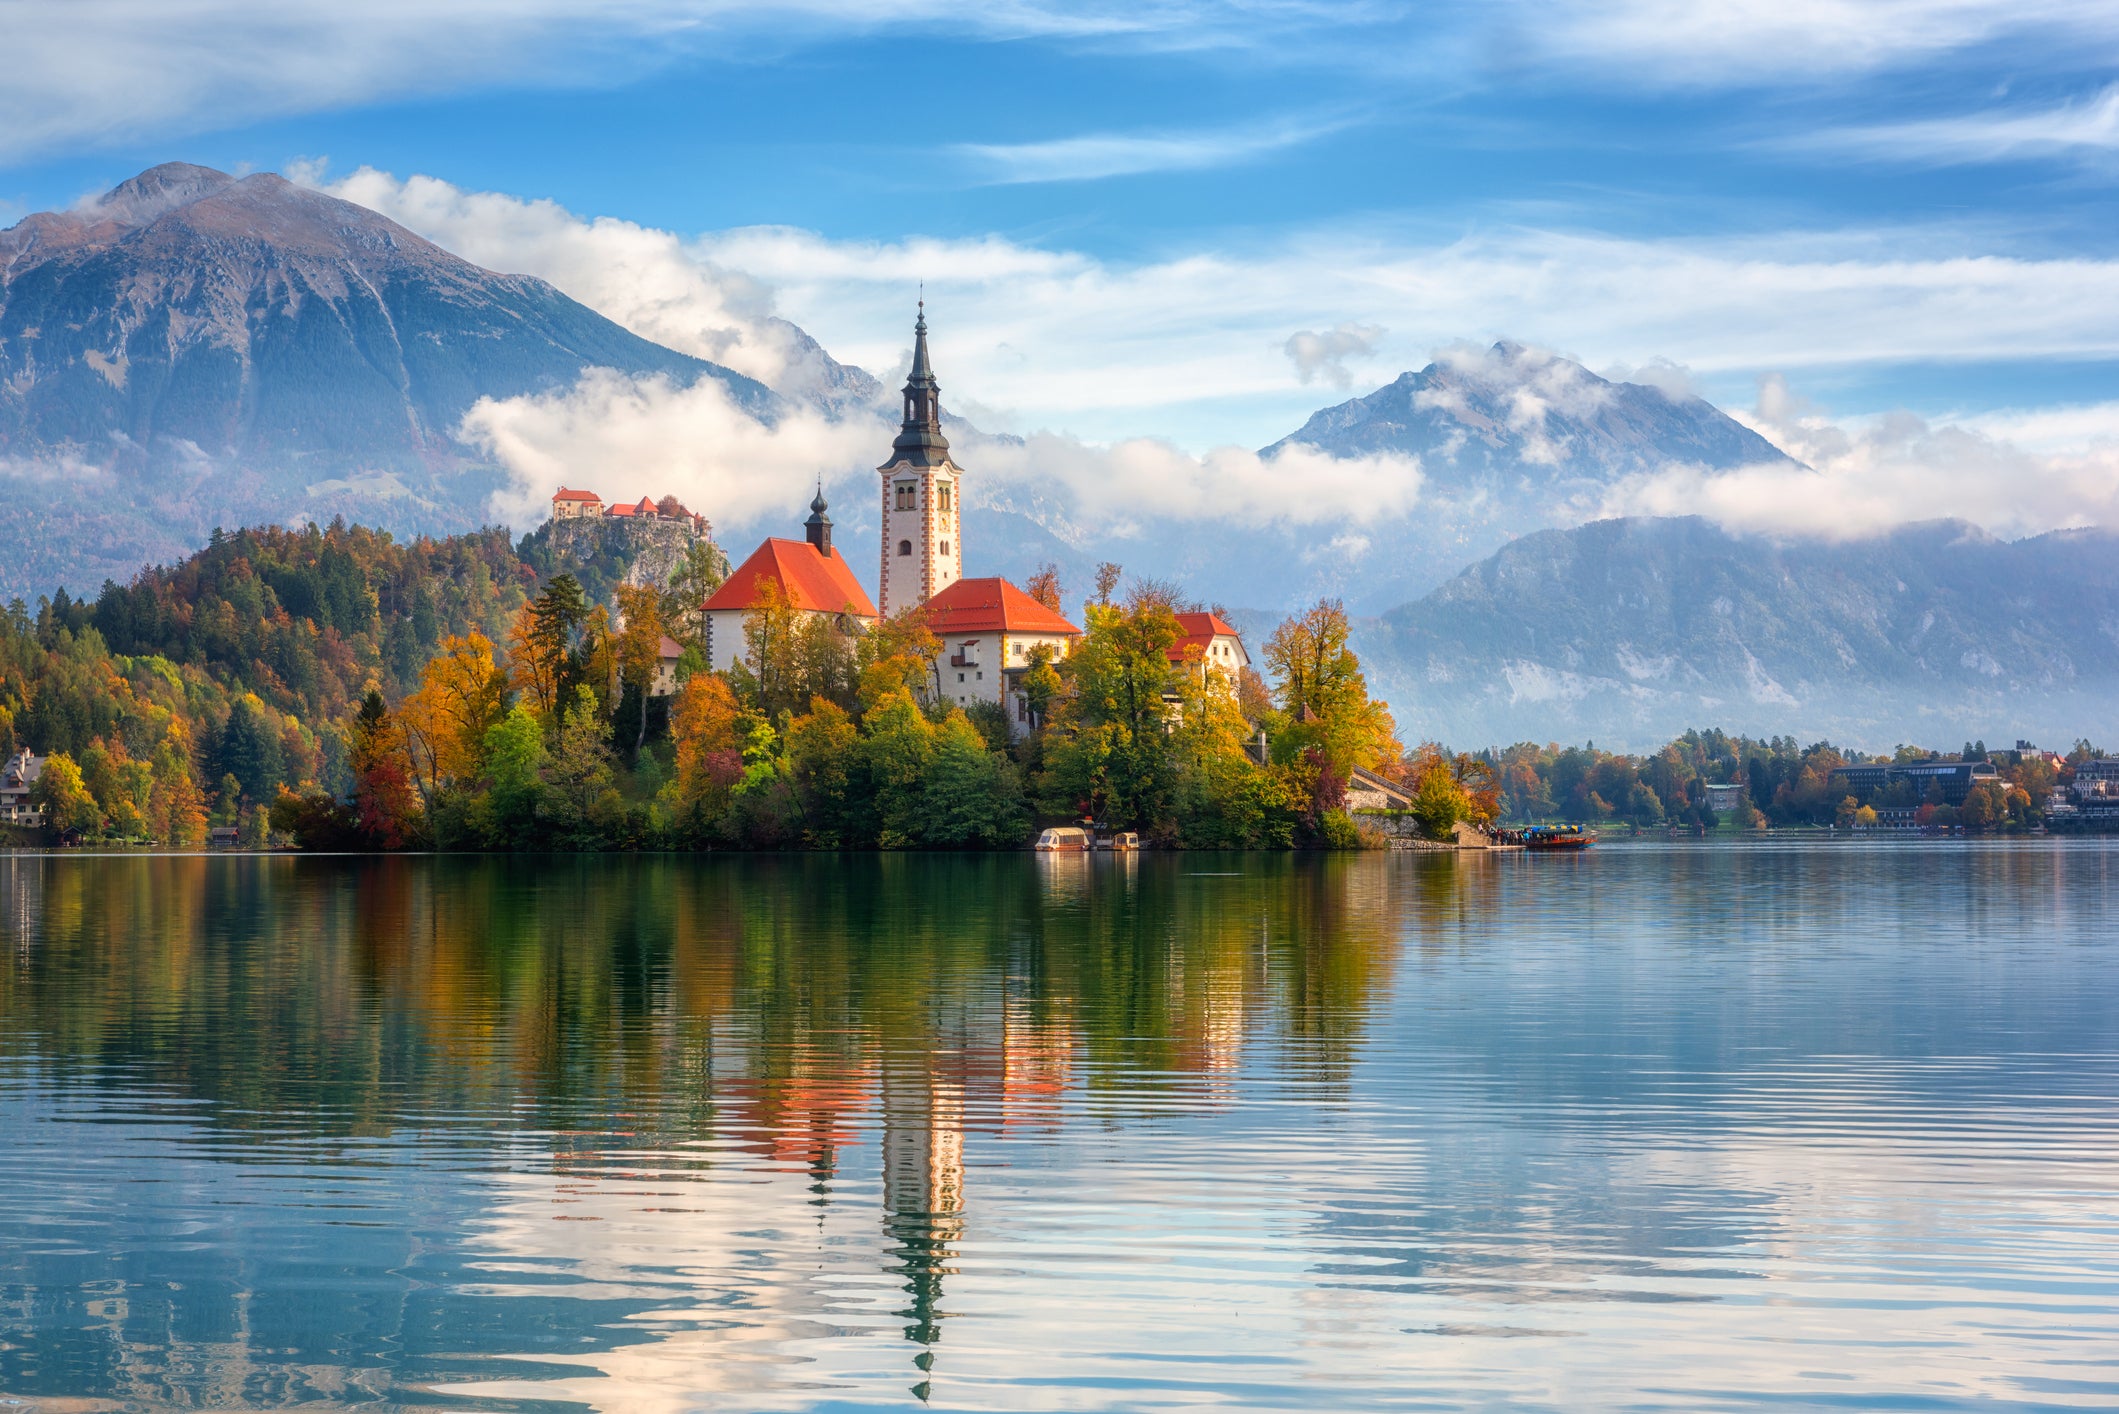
(1095, 155)
(1198, 348)
(1865, 478)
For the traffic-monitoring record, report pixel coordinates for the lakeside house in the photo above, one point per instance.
(17, 779)
(990, 632)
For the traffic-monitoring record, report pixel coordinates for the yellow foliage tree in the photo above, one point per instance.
(461, 694)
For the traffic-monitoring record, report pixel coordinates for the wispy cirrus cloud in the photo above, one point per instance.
(2085, 128)
(91, 71)
(1094, 155)
(1804, 42)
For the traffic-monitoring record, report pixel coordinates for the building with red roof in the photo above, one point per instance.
(988, 629)
(812, 578)
(1210, 647)
(566, 505)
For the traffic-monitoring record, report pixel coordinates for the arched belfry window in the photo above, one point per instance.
(904, 547)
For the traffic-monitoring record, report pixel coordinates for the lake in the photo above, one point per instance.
(1779, 1125)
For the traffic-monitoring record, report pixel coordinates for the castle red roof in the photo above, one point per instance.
(990, 606)
(809, 578)
(565, 495)
(1201, 630)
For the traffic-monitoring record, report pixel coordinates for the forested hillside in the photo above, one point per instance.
(203, 687)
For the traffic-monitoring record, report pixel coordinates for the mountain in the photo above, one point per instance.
(196, 349)
(1629, 631)
(1514, 421)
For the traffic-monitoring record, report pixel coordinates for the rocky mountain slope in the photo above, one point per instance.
(196, 349)
(1629, 631)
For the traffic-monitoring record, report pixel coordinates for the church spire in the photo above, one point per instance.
(921, 442)
(817, 529)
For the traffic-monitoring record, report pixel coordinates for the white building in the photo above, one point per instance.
(1211, 650)
(988, 630)
(813, 578)
(923, 541)
(17, 779)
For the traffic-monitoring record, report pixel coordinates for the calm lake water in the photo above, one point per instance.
(1778, 1126)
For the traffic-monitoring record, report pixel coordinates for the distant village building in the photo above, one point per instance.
(1724, 796)
(988, 630)
(17, 779)
(1955, 779)
(812, 578)
(666, 660)
(923, 538)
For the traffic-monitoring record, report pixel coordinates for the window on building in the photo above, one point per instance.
(904, 547)
(959, 677)
(942, 496)
(945, 547)
(905, 496)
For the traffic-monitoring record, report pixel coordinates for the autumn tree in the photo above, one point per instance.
(385, 806)
(62, 793)
(462, 693)
(638, 647)
(1044, 586)
(542, 660)
(1112, 757)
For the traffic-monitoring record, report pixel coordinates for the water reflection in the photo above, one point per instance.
(984, 1132)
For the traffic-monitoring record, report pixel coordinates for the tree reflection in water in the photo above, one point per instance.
(780, 1010)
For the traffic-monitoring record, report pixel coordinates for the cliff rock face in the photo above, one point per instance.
(604, 552)
(196, 349)
(1630, 631)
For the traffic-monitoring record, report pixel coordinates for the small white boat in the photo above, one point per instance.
(1063, 839)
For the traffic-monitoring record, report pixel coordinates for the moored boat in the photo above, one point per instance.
(1063, 839)
(1558, 837)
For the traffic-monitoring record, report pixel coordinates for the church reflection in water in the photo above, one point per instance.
(852, 1021)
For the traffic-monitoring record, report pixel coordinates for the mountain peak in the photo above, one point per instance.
(139, 200)
(1511, 417)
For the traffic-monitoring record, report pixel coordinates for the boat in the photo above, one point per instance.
(1558, 837)
(1063, 839)
(1124, 842)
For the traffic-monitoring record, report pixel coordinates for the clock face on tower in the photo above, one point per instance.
(921, 542)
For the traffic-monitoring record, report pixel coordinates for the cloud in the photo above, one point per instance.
(651, 281)
(106, 70)
(1096, 155)
(1195, 349)
(1324, 355)
(645, 436)
(1118, 488)
(1865, 478)
(1803, 42)
(2088, 128)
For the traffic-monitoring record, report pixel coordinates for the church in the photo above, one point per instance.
(988, 628)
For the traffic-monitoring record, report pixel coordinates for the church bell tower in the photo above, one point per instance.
(923, 543)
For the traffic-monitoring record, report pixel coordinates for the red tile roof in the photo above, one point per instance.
(669, 648)
(990, 606)
(810, 579)
(1200, 632)
(566, 495)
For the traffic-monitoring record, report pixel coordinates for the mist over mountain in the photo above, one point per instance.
(196, 349)
(1629, 631)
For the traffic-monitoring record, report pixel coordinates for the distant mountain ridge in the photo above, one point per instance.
(1628, 631)
(195, 348)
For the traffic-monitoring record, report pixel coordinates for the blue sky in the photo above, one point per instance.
(1892, 205)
